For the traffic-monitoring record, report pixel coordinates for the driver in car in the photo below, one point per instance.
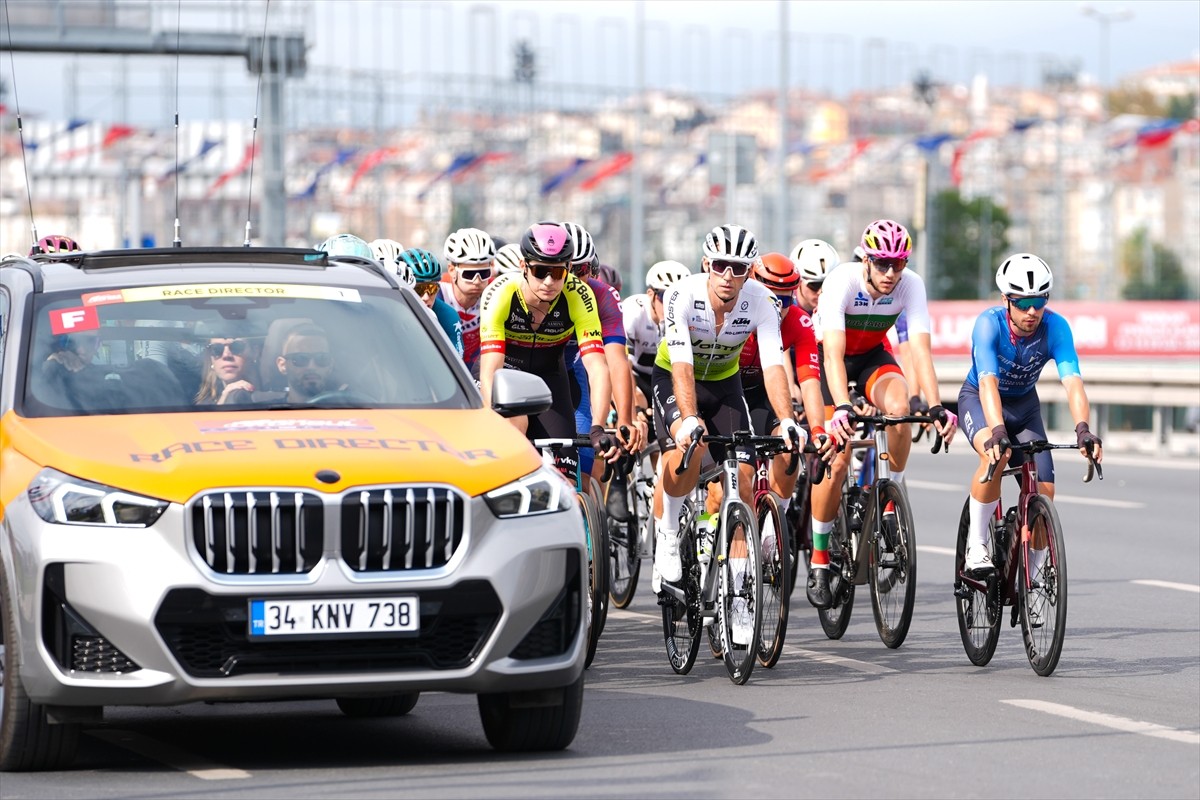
(307, 363)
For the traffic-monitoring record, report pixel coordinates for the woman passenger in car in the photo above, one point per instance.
(232, 364)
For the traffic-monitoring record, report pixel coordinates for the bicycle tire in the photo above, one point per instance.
(776, 570)
(979, 613)
(835, 619)
(799, 524)
(892, 565)
(682, 621)
(597, 564)
(1044, 595)
(745, 588)
(625, 561)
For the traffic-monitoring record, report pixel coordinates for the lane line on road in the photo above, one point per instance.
(939, 551)
(173, 757)
(1183, 587)
(1109, 721)
(937, 486)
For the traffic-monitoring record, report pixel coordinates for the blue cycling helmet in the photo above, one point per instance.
(347, 244)
(425, 265)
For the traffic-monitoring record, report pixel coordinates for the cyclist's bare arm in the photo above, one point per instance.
(601, 393)
(1081, 410)
(683, 384)
(615, 354)
(793, 386)
(489, 365)
(776, 381)
(834, 345)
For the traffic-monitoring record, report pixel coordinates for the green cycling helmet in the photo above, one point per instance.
(347, 244)
(425, 265)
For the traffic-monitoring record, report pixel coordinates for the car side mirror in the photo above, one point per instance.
(516, 393)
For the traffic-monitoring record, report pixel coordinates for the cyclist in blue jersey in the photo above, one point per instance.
(998, 401)
(428, 272)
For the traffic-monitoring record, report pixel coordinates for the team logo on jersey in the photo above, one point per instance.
(885, 301)
(698, 305)
(861, 299)
(741, 321)
(745, 305)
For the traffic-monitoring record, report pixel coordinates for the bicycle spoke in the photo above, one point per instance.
(1043, 585)
(893, 564)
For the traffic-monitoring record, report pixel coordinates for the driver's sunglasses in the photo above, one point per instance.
(472, 274)
(301, 359)
(237, 347)
(1029, 303)
(735, 269)
(886, 265)
(555, 272)
(426, 289)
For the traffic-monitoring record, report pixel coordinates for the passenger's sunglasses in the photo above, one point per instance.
(542, 271)
(475, 273)
(302, 360)
(1029, 303)
(736, 269)
(886, 265)
(426, 289)
(237, 347)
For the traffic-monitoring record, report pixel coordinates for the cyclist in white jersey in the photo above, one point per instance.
(643, 318)
(697, 386)
(469, 254)
(858, 305)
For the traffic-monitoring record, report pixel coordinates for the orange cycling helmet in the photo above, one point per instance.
(777, 272)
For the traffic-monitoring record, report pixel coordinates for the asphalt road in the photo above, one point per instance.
(1119, 718)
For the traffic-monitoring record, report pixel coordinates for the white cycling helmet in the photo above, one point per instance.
(468, 246)
(584, 247)
(1024, 275)
(860, 255)
(731, 242)
(508, 259)
(813, 259)
(660, 276)
(386, 250)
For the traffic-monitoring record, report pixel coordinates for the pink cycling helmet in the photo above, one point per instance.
(55, 244)
(885, 238)
(548, 243)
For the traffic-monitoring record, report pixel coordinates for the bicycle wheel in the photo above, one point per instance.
(682, 621)
(1044, 589)
(892, 563)
(597, 562)
(836, 618)
(625, 561)
(799, 525)
(978, 612)
(741, 593)
(776, 571)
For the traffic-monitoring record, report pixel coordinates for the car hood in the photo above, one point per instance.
(174, 456)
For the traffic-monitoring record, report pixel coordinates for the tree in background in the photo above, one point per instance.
(1152, 272)
(965, 260)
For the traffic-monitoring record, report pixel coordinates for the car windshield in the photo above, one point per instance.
(235, 346)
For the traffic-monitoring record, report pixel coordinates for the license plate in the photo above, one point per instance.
(328, 616)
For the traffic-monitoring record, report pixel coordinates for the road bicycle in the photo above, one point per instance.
(628, 502)
(874, 537)
(596, 529)
(1029, 571)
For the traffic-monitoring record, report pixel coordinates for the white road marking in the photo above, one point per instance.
(940, 551)
(841, 661)
(1109, 721)
(936, 486)
(1183, 587)
(173, 757)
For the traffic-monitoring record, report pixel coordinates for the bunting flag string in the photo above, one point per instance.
(73, 124)
(482, 160)
(615, 165)
(370, 161)
(559, 178)
(341, 157)
(670, 188)
(960, 151)
(858, 148)
(114, 134)
(206, 146)
(460, 162)
(247, 158)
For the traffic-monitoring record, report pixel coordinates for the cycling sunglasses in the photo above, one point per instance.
(736, 269)
(814, 286)
(886, 265)
(237, 347)
(1029, 303)
(427, 288)
(555, 272)
(471, 274)
(302, 359)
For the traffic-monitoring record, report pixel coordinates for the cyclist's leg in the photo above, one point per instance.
(887, 390)
(558, 421)
(1027, 420)
(583, 413)
(672, 490)
(984, 497)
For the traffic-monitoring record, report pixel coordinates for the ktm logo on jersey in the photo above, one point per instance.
(741, 321)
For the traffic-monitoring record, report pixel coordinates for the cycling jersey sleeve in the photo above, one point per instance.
(677, 338)
(916, 307)
(612, 322)
(1061, 343)
(808, 366)
(450, 322)
(985, 341)
(584, 311)
(493, 312)
(831, 309)
(770, 343)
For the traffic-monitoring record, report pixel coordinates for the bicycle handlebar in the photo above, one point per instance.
(1039, 446)
(554, 445)
(884, 420)
(765, 445)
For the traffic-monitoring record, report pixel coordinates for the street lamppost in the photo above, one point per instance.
(1105, 18)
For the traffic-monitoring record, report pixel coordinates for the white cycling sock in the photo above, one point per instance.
(784, 502)
(980, 514)
(898, 475)
(671, 508)
(1037, 558)
(738, 568)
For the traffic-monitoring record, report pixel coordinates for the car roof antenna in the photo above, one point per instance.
(254, 132)
(176, 242)
(21, 134)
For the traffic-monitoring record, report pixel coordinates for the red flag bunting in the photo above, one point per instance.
(243, 165)
(618, 163)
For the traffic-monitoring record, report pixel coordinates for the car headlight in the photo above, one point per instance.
(58, 497)
(545, 491)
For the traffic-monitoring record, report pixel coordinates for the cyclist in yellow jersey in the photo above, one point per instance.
(527, 320)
